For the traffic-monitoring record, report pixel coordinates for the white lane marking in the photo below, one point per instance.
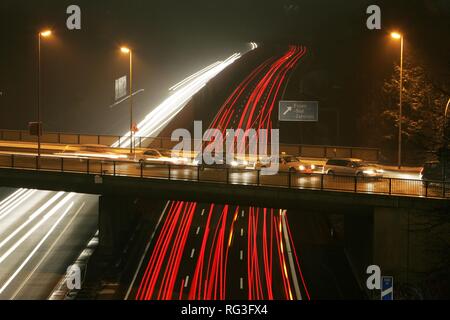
(198, 230)
(48, 252)
(243, 213)
(241, 283)
(192, 253)
(203, 212)
(145, 252)
(291, 259)
(36, 226)
(32, 217)
(241, 255)
(49, 232)
(186, 282)
(242, 232)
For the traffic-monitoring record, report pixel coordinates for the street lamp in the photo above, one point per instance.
(399, 36)
(126, 50)
(446, 140)
(43, 34)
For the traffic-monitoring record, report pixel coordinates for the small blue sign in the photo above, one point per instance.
(387, 288)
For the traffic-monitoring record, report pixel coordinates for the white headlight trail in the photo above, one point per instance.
(16, 203)
(36, 248)
(6, 202)
(30, 219)
(169, 108)
(191, 77)
(36, 226)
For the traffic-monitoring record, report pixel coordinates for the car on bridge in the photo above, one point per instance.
(91, 151)
(154, 156)
(352, 167)
(288, 163)
(434, 171)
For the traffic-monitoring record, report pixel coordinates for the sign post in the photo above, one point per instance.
(387, 288)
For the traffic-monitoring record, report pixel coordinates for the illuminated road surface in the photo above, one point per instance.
(217, 252)
(41, 234)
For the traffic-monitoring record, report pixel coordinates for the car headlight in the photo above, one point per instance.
(380, 171)
(245, 163)
(313, 167)
(195, 162)
(369, 172)
(302, 167)
(234, 163)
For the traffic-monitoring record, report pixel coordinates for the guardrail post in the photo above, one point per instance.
(322, 177)
(228, 175)
(114, 165)
(390, 186)
(290, 179)
(443, 188)
(426, 189)
(87, 166)
(62, 164)
(259, 177)
(142, 169)
(79, 138)
(356, 184)
(170, 170)
(198, 173)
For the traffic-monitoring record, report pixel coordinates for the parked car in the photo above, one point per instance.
(352, 167)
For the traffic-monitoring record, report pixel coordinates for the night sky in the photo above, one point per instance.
(173, 39)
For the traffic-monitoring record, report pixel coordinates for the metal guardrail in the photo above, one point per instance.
(312, 151)
(227, 175)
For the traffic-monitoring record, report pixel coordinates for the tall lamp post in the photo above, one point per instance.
(42, 34)
(446, 140)
(399, 36)
(126, 50)
(445, 120)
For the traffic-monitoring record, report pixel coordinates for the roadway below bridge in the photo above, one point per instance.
(215, 251)
(41, 235)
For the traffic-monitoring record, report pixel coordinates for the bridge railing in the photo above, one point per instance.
(228, 175)
(307, 151)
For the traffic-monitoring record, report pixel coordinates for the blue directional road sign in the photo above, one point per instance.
(387, 288)
(299, 111)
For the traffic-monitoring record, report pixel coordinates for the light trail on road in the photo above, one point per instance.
(250, 105)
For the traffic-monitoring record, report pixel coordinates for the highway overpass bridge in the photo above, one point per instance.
(376, 214)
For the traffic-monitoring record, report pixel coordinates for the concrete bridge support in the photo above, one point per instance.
(117, 218)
